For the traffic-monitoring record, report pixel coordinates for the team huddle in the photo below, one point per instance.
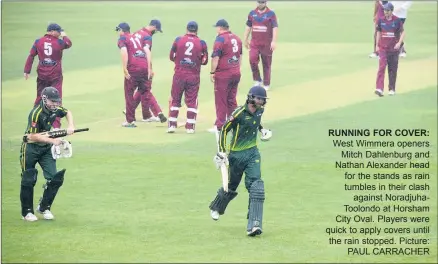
(188, 53)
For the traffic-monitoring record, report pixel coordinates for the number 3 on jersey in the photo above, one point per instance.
(189, 46)
(235, 47)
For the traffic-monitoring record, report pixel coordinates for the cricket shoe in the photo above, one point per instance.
(255, 231)
(162, 118)
(402, 55)
(257, 83)
(379, 92)
(126, 124)
(391, 92)
(46, 214)
(212, 130)
(29, 217)
(373, 55)
(266, 87)
(171, 129)
(190, 131)
(151, 119)
(214, 215)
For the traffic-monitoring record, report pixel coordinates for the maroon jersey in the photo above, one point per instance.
(390, 31)
(49, 50)
(146, 36)
(189, 52)
(262, 24)
(228, 47)
(137, 62)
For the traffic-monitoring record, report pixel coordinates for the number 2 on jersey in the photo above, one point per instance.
(189, 46)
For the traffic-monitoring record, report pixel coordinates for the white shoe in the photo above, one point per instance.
(256, 83)
(46, 214)
(402, 55)
(266, 87)
(214, 215)
(373, 55)
(171, 129)
(190, 131)
(391, 92)
(213, 129)
(152, 119)
(255, 231)
(29, 217)
(379, 92)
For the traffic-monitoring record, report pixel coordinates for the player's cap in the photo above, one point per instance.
(388, 6)
(192, 26)
(222, 23)
(54, 27)
(157, 24)
(261, 1)
(123, 27)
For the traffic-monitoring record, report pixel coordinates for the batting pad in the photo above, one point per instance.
(256, 200)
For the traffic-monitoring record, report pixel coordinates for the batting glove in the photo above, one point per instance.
(266, 134)
(220, 159)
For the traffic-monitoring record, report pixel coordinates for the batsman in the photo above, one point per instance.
(37, 148)
(244, 157)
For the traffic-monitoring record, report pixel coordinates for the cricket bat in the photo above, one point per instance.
(56, 133)
(224, 170)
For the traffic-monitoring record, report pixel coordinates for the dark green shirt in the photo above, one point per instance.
(40, 119)
(245, 126)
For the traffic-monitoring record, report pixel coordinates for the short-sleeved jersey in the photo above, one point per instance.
(390, 31)
(228, 47)
(262, 24)
(189, 52)
(137, 61)
(40, 119)
(49, 50)
(245, 126)
(146, 36)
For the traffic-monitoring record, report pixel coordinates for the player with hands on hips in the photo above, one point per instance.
(37, 148)
(244, 157)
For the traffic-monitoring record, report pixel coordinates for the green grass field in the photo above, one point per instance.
(141, 195)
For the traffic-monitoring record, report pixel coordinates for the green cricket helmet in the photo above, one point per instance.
(51, 98)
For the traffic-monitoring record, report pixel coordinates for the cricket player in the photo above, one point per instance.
(49, 49)
(263, 26)
(225, 72)
(41, 119)
(135, 69)
(401, 11)
(244, 157)
(390, 35)
(148, 99)
(188, 52)
(378, 13)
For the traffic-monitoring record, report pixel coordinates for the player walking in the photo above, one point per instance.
(225, 72)
(40, 120)
(390, 35)
(148, 102)
(244, 157)
(49, 49)
(188, 52)
(263, 26)
(135, 69)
